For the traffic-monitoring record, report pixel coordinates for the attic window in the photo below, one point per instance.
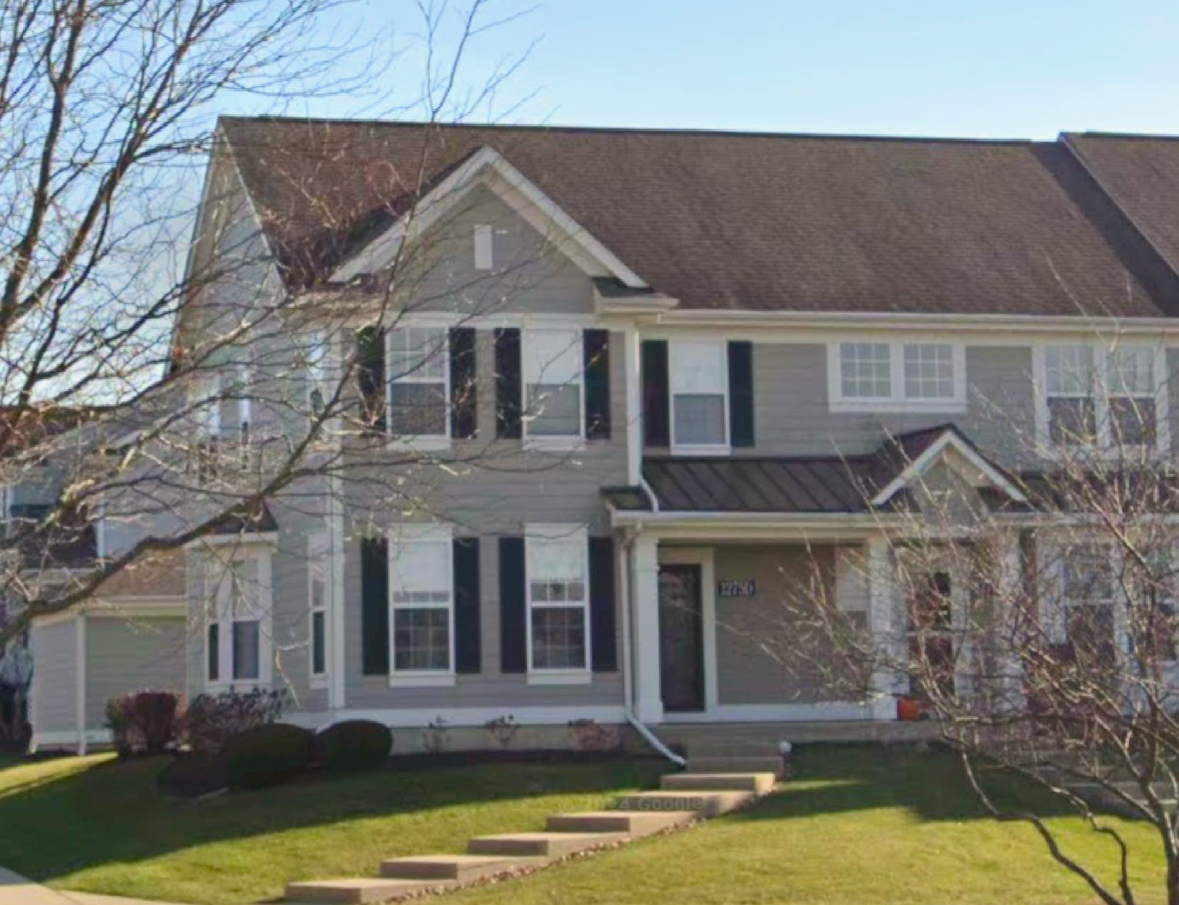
(484, 256)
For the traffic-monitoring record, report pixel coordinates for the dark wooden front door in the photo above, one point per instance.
(681, 639)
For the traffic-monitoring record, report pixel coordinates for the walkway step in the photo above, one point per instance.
(632, 823)
(355, 892)
(459, 868)
(704, 804)
(541, 845)
(736, 764)
(760, 783)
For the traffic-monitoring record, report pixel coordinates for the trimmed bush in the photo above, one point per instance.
(352, 746)
(143, 723)
(213, 719)
(195, 775)
(268, 755)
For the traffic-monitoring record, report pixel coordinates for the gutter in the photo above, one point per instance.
(627, 690)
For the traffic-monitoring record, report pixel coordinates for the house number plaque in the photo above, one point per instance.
(737, 587)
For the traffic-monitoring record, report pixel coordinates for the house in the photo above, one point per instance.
(648, 380)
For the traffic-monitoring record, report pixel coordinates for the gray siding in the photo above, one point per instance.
(124, 656)
(54, 693)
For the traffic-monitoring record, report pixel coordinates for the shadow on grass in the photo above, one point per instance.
(113, 812)
(838, 778)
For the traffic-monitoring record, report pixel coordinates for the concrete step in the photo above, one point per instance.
(357, 891)
(737, 764)
(631, 823)
(758, 783)
(457, 868)
(541, 845)
(705, 804)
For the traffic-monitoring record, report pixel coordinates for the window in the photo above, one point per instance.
(421, 589)
(880, 376)
(1093, 397)
(317, 602)
(1087, 593)
(552, 370)
(557, 568)
(699, 376)
(236, 642)
(1155, 604)
(315, 363)
(419, 377)
(929, 371)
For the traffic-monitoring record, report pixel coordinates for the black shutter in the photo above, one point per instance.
(741, 394)
(603, 637)
(374, 606)
(467, 645)
(513, 645)
(596, 345)
(370, 376)
(656, 404)
(464, 396)
(508, 382)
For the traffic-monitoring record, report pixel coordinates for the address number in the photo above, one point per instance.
(744, 587)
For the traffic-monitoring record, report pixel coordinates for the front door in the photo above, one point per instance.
(681, 638)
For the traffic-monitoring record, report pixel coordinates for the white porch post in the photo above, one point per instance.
(1010, 583)
(645, 624)
(887, 634)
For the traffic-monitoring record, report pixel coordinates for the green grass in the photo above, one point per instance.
(97, 825)
(861, 825)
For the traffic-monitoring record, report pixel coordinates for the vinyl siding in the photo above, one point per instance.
(54, 692)
(128, 655)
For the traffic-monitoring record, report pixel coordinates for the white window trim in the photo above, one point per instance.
(675, 349)
(403, 536)
(217, 574)
(575, 676)
(1104, 448)
(418, 442)
(897, 401)
(317, 566)
(548, 443)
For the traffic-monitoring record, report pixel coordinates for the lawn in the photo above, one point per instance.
(98, 825)
(861, 825)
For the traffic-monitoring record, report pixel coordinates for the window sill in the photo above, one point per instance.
(898, 406)
(700, 449)
(554, 444)
(421, 680)
(561, 677)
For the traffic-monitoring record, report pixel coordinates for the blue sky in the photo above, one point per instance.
(999, 68)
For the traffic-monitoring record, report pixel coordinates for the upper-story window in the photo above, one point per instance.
(900, 376)
(699, 395)
(553, 385)
(419, 382)
(1099, 398)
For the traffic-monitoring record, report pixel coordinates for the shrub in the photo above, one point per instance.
(195, 775)
(268, 755)
(144, 722)
(213, 719)
(353, 745)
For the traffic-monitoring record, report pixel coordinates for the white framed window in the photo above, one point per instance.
(421, 603)
(317, 550)
(880, 375)
(1092, 397)
(315, 354)
(237, 636)
(699, 386)
(1087, 600)
(557, 582)
(418, 384)
(554, 387)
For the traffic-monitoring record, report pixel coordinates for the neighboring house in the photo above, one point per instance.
(748, 347)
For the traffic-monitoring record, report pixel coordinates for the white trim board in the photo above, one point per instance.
(922, 463)
(705, 558)
(831, 711)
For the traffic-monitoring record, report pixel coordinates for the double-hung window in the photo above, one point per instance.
(421, 592)
(317, 548)
(1087, 599)
(552, 362)
(314, 353)
(1092, 397)
(900, 376)
(557, 569)
(699, 396)
(418, 383)
(237, 640)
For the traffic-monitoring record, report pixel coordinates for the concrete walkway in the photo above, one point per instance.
(18, 890)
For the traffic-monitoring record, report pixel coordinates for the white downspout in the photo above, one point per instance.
(628, 666)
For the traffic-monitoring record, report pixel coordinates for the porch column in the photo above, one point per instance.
(887, 634)
(1011, 594)
(648, 703)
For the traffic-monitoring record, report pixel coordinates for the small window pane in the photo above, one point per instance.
(929, 371)
(1086, 575)
(558, 638)
(1131, 371)
(421, 639)
(554, 410)
(1072, 421)
(1069, 370)
(1133, 421)
(699, 419)
(318, 644)
(417, 409)
(245, 650)
(417, 354)
(865, 370)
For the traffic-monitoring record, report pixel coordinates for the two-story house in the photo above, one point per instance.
(661, 379)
